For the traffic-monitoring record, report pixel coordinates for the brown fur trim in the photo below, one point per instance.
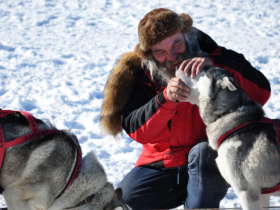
(141, 53)
(188, 22)
(117, 91)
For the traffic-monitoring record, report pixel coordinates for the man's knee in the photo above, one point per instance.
(126, 192)
(206, 187)
(203, 170)
(127, 198)
(202, 158)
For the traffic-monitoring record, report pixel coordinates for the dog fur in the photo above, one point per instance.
(34, 173)
(249, 160)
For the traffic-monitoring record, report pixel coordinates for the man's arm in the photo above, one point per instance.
(149, 120)
(255, 84)
(250, 79)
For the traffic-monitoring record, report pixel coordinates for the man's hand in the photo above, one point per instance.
(176, 90)
(194, 65)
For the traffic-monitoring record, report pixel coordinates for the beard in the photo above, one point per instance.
(164, 72)
(161, 73)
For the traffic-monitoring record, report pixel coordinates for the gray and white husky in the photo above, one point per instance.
(247, 143)
(44, 169)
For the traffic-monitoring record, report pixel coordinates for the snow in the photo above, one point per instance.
(55, 56)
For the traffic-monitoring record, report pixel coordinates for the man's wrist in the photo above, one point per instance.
(165, 95)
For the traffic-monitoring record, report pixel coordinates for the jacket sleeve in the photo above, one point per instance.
(145, 122)
(255, 84)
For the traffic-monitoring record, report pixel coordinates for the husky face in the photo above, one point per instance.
(214, 91)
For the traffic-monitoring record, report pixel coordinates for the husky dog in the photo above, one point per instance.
(247, 143)
(43, 168)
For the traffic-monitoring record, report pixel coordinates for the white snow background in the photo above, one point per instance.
(55, 56)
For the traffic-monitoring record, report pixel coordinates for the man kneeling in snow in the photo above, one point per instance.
(143, 97)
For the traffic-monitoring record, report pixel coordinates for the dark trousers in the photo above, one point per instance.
(197, 185)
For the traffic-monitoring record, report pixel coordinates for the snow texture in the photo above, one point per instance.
(55, 56)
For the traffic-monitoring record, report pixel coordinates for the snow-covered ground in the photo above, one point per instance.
(55, 56)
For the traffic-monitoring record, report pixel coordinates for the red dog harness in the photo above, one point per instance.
(35, 132)
(263, 121)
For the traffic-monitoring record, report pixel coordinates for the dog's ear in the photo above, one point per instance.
(226, 82)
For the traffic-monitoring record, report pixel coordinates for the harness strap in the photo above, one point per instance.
(4, 113)
(239, 127)
(2, 149)
(4, 145)
(27, 137)
(75, 171)
(31, 121)
(271, 190)
(243, 125)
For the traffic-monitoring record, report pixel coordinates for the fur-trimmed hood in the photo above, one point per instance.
(117, 91)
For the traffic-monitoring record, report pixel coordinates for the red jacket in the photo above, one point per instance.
(168, 130)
